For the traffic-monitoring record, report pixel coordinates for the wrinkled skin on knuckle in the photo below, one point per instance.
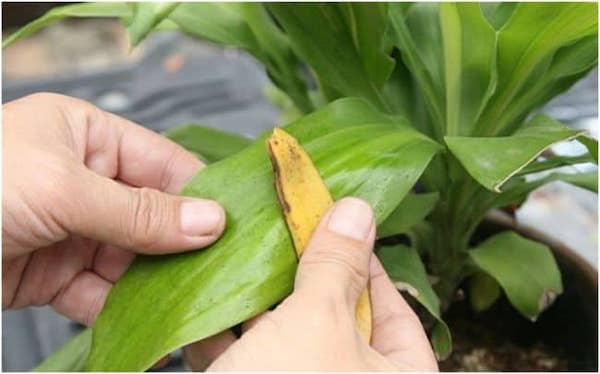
(46, 201)
(149, 218)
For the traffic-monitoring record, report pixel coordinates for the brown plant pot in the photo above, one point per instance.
(565, 337)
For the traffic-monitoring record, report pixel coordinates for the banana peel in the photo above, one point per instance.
(305, 199)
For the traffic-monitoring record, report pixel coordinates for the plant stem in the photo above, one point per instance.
(450, 222)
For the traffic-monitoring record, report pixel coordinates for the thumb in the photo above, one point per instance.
(141, 219)
(336, 260)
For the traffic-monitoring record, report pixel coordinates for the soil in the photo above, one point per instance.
(498, 340)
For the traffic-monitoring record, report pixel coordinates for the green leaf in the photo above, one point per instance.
(525, 269)
(416, 32)
(592, 146)
(247, 26)
(497, 13)
(282, 65)
(493, 160)
(367, 24)
(165, 302)
(208, 143)
(555, 162)
(517, 192)
(529, 59)
(588, 181)
(85, 10)
(482, 69)
(568, 65)
(441, 340)
(218, 22)
(146, 16)
(288, 112)
(469, 44)
(483, 291)
(406, 270)
(71, 357)
(343, 43)
(413, 209)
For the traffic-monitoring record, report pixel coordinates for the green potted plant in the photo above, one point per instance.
(383, 97)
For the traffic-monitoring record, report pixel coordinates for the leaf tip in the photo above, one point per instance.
(547, 298)
(403, 286)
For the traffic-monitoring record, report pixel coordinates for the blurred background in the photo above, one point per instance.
(171, 79)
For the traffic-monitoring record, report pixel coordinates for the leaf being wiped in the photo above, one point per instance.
(71, 357)
(252, 266)
(209, 144)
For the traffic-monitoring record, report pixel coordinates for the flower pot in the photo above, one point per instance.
(565, 336)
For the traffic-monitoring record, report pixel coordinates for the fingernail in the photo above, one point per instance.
(352, 218)
(201, 218)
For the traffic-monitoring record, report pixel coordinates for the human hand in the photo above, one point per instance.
(81, 194)
(314, 328)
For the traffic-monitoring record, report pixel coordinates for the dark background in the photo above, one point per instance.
(18, 14)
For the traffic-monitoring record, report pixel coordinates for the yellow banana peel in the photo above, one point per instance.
(305, 199)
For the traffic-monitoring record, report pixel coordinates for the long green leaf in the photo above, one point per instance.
(343, 43)
(527, 44)
(497, 13)
(70, 357)
(247, 26)
(85, 10)
(413, 209)
(592, 146)
(367, 23)
(165, 302)
(218, 22)
(146, 16)
(517, 193)
(517, 190)
(469, 44)
(493, 160)
(568, 65)
(282, 65)
(483, 291)
(406, 270)
(416, 32)
(555, 162)
(207, 143)
(525, 269)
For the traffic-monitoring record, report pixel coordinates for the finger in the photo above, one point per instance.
(336, 260)
(164, 361)
(82, 299)
(141, 219)
(397, 332)
(201, 354)
(117, 148)
(249, 324)
(111, 262)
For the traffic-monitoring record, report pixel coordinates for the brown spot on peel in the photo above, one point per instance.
(305, 199)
